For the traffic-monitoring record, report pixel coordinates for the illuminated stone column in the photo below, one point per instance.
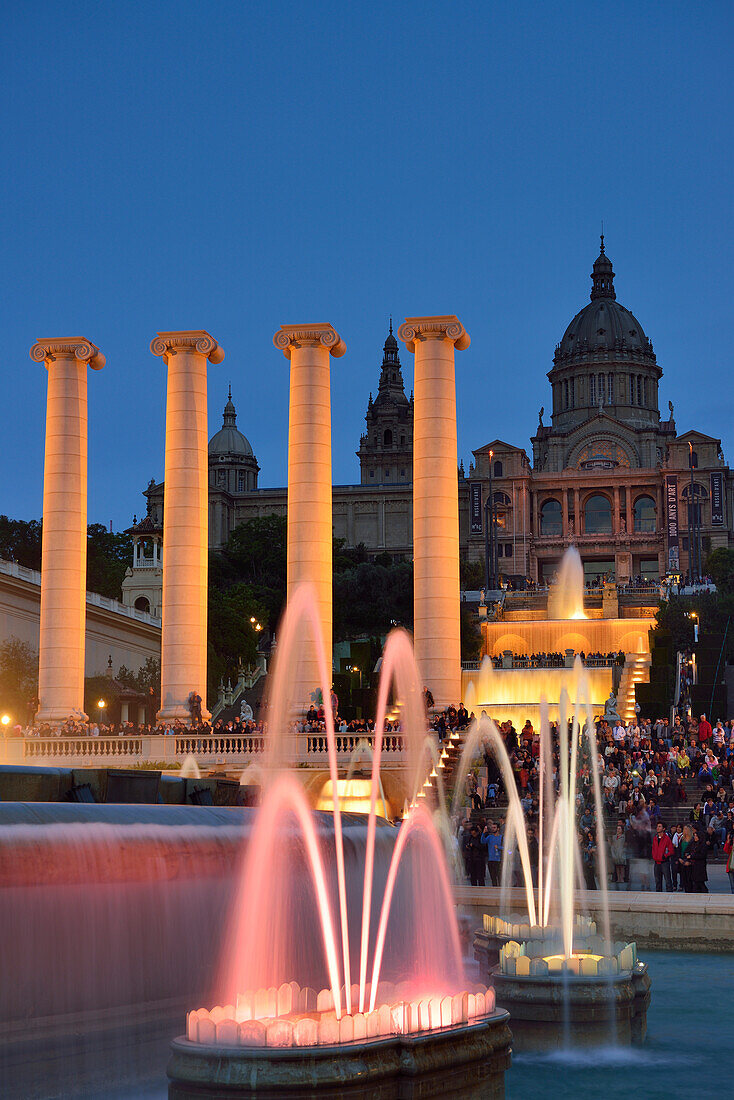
(64, 549)
(436, 503)
(310, 524)
(185, 520)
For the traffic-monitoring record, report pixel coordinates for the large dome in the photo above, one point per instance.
(604, 328)
(229, 440)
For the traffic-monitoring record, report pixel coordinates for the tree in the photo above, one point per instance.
(255, 555)
(18, 679)
(20, 541)
(720, 566)
(108, 556)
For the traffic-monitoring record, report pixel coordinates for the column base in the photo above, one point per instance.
(58, 716)
(181, 713)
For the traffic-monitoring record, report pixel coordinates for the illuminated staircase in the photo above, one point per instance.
(636, 671)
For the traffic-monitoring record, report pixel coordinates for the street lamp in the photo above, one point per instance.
(5, 720)
(489, 535)
(694, 616)
(694, 532)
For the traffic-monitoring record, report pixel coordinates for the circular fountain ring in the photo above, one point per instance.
(456, 1058)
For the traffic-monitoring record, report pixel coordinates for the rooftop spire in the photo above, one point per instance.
(602, 277)
(230, 413)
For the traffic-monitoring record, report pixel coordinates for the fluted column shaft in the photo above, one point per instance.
(185, 520)
(64, 547)
(310, 523)
(436, 503)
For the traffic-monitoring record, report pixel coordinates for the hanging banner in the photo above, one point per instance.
(717, 498)
(671, 509)
(475, 507)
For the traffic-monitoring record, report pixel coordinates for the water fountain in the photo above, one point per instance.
(564, 626)
(355, 982)
(549, 967)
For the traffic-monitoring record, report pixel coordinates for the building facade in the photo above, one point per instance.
(606, 473)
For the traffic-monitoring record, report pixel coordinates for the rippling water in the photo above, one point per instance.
(687, 1054)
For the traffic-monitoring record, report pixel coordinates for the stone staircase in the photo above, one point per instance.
(636, 671)
(450, 754)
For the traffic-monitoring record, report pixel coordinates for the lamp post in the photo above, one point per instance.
(489, 534)
(694, 545)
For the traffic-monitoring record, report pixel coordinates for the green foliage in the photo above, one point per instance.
(471, 576)
(713, 610)
(147, 679)
(370, 599)
(720, 566)
(471, 635)
(18, 679)
(108, 556)
(20, 541)
(348, 559)
(255, 556)
(232, 637)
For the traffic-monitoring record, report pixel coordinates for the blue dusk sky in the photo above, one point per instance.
(235, 165)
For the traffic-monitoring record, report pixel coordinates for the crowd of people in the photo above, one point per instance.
(667, 797)
(558, 660)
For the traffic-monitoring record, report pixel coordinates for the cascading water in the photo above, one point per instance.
(566, 596)
(557, 871)
(349, 950)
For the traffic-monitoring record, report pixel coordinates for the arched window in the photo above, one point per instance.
(601, 389)
(610, 381)
(565, 394)
(598, 515)
(497, 471)
(551, 522)
(632, 389)
(143, 604)
(639, 390)
(387, 438)
(402, 440)
(645, 514)
(592, 390)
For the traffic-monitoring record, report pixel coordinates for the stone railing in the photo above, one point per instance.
(170, 750)
(220, 745)
(45, 749)
(347, 743)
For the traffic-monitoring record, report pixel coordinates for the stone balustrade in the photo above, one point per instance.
(44, 750)
(161, 749)
(348, 743)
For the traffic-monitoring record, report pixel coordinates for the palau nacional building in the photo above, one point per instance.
(607, 472)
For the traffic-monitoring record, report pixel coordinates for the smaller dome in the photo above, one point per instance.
(229, 440)
(604, 325)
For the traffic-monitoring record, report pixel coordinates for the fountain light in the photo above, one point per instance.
(291, 1016)
(5, 720)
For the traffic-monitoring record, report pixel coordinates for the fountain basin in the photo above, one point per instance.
(559, 1008)
(460, 1062)
(496, 933)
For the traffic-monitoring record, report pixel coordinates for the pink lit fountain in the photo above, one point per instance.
(340, 957)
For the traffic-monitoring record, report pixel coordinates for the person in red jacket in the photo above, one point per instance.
(662, 853)
(704, 730)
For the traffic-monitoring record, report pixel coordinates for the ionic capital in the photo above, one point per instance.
(197, 340)
(296, 336)
(434, 328)
(74, 347)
